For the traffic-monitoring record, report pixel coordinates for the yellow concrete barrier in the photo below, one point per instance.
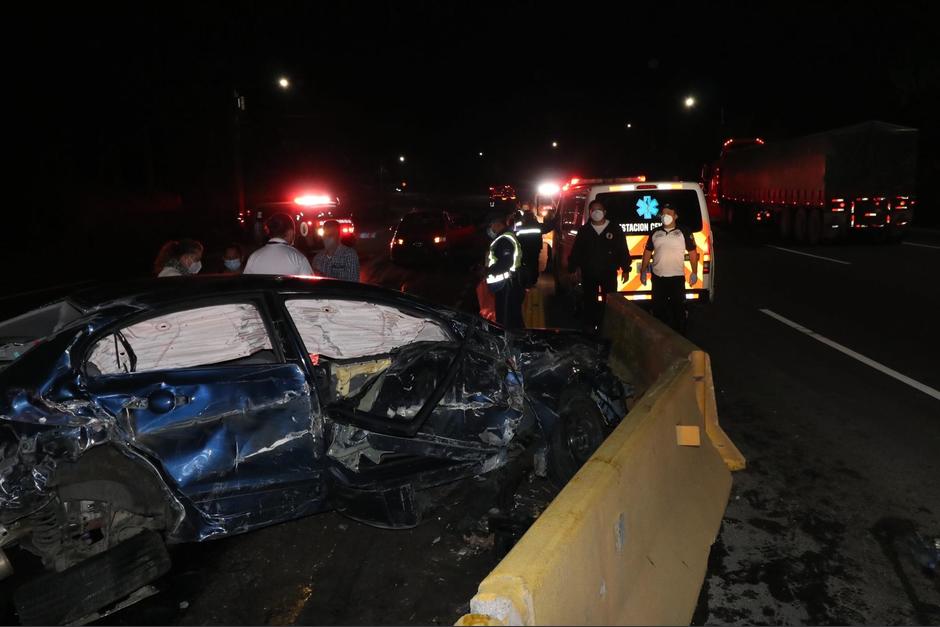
(627, 540)
(533, 309)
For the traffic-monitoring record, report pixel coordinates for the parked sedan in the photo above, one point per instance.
(192, 408)
(428, 236)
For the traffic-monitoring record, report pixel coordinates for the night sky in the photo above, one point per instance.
(110, 102)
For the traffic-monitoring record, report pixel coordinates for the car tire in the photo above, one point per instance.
(799, 226)
(813, 227)
(58, 598)
(580, 430)
(785, 222)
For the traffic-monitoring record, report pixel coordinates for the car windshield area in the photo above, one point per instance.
(640, 211)
(373, 358)
(20, 334)
(422, 222)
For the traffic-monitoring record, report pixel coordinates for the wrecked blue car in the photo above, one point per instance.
(186, 409)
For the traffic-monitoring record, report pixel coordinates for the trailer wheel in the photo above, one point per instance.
(814, 227)
(799, 225)
(785, 222)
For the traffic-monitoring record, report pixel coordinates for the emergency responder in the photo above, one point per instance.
(600, 248)
(503, 265)
(529, 233)
(666, 246)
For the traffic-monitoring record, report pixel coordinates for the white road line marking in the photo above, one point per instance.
(799, 252)
(920, 245)
(917, 385)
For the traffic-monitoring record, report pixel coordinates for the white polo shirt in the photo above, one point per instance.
(277, 257)
(669, 248)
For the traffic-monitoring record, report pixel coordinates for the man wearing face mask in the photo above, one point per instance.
(666, 247)
(600, 248)
(278, 256)
(503, 270)
(336, 261)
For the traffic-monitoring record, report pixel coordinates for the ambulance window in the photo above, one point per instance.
(571, 211)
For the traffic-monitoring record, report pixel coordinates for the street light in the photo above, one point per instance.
(629, 125)
(689, 102)
(554, 144)
(401, 158)
(283, 82)
(480, 153)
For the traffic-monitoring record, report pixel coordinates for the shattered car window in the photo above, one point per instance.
(344, 329)
(19, 334)
(375, 358)
(214, 335)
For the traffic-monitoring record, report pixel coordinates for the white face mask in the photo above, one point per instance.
(232, 264)
(195, 267)
(597, 215)
(668, 219)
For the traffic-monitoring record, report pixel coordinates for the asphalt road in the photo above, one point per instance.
(843, 459)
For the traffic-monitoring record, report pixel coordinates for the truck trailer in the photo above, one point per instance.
(818, 188)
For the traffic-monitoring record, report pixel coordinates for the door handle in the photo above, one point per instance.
(162, 401)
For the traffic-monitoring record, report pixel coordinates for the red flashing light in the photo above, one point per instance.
(759, 140)
(575, 181)
(651, 186)
(310, 200)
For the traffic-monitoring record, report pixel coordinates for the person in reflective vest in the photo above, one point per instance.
(529, 232)
(503, 264)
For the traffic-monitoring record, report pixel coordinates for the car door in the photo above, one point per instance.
(206, 394)
(406, 379)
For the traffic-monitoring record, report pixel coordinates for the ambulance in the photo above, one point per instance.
(636, 205)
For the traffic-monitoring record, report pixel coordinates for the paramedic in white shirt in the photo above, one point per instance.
(665, 254)
(278, 256)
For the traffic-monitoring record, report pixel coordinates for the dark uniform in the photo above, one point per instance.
(529, 233)
(503, 277)
(598, 255)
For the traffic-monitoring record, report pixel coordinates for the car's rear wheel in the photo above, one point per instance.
(580, 430)
(99, 581)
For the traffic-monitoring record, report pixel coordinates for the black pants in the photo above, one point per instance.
(595, 298)
(509, 304)
(669, 300)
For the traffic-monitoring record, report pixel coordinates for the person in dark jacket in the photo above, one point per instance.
(529, 233)
(600, 248)
(503, 271)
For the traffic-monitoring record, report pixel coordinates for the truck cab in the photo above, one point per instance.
(634, 204)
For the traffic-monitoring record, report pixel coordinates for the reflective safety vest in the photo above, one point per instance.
(516, 258)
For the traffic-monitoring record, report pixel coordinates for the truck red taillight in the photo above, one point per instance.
(837, 204)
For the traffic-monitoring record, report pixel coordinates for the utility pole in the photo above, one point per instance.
(238, 172)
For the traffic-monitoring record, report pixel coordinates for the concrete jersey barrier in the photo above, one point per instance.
(627, 540)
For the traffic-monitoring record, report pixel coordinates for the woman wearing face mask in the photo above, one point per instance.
(179, 258)
(232, 259)
(600, 248)
(664, 255)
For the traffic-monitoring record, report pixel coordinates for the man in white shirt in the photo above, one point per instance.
(278, 256)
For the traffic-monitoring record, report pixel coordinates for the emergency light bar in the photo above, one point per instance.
(609, 181)
(312, 200)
